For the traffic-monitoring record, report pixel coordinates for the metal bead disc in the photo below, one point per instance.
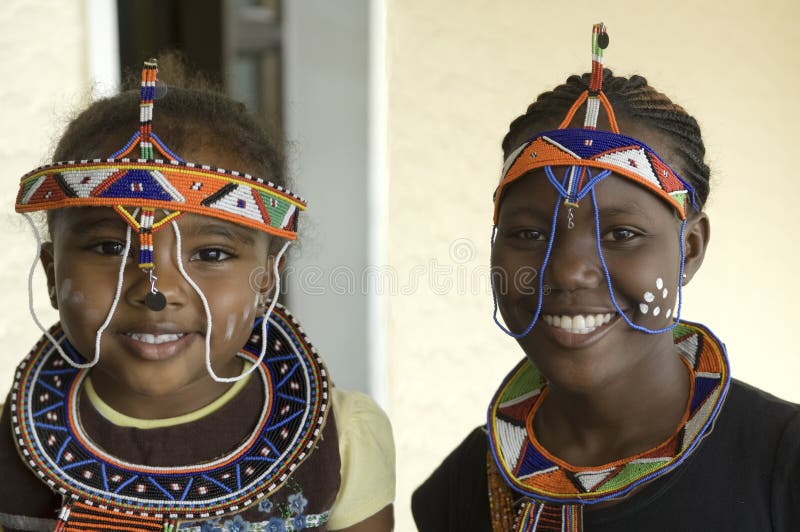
(155, 301)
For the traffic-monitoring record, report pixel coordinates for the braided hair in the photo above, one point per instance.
(630, 97)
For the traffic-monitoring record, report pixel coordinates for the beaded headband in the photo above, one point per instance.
(582, 149)
(137, 187)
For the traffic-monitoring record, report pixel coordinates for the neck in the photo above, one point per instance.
(635, 412)
(151, 404)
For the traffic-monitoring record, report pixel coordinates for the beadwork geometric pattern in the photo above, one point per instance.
(590, 148)
(172, 185)
(528, 468)
(51, 440)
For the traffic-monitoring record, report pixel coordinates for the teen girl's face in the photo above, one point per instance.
(144, 353)
(580, 341)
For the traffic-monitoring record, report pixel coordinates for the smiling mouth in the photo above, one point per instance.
(578, 323)
(148, 338)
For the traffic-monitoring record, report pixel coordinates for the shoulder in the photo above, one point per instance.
(773, 426)
(456, 493)
(753, 414)
(366, 450)
(362, 425)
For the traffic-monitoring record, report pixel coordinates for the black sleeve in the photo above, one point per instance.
(456, 496)
(786, 479)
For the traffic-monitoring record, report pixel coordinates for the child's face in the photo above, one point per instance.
(221, 257)
(640, 241)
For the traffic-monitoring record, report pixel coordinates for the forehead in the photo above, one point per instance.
(533, 193)
(84, 218)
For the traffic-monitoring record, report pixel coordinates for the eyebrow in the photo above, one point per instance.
(627, 208)
(530, 210)
(90, 224)
(217, 229)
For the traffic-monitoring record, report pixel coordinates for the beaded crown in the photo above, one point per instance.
(138, 186)
(586, 148)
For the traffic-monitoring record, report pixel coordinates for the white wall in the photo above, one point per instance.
(44, 59)
(329, 76)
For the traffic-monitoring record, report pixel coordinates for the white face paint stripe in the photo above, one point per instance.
(229, 327)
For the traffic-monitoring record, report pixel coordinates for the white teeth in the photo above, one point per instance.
(155, 338)
(578, 324)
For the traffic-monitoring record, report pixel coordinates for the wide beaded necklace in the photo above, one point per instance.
(52, 442)
(558, 490)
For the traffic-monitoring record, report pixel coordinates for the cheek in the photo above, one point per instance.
(69, 297)
(81, 305)
(658, 299)
(651, 285)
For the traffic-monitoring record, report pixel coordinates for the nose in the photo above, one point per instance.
(574, 263)
(168, 279)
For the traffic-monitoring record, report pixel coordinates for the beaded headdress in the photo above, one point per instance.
(138, 187)
(587, 156)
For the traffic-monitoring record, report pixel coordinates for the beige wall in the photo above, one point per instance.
(459, 71)
(43, 54)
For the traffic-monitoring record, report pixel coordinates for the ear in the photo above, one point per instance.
(47, 259)
(696, 238)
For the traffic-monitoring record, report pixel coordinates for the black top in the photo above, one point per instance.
(745, 476)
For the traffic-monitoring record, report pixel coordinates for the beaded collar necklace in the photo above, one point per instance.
(50, 438)
(543, 481)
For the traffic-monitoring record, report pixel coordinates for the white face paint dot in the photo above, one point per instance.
(669, 312)
(656, 311)
(664, 293)
(659, 283)
(649, 297)
(643, 308)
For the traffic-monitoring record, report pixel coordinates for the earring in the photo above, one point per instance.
(262, 302)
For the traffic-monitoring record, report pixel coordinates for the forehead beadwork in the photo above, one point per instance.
(138, 188)
(587, 155)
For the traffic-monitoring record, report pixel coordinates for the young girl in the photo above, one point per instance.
(621, 417)
(175, 393)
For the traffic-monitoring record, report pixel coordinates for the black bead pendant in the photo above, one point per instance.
(602, 40)
(155, 301)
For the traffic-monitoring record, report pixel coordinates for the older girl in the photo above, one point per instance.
(621, 417)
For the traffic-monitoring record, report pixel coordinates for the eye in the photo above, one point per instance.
(110, 247)
(211, 255)
(529, 234)
(620, 234)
